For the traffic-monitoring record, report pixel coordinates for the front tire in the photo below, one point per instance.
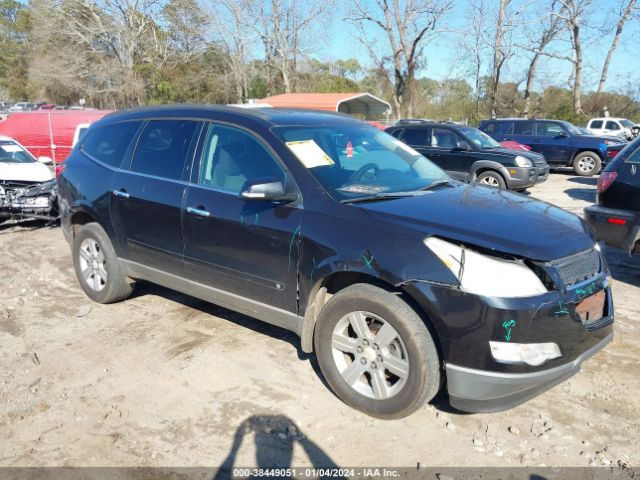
(376, 352)
(587, 164)
(491, 179)
(99, 271)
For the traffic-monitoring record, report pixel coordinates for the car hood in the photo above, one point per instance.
(511, 152)
(25, 172)
(490, 218)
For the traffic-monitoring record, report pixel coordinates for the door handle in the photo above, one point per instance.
(121, 194)
(200, 212)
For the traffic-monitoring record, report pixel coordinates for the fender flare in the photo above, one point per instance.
(489, 164)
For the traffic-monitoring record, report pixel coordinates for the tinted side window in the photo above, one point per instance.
(415, 136)
(108, 143)
(490, 127)
(396, 133)
(634, 157)
(549, 129)
(596, 124)
(163, 148)
(231, 156)
(612, 126)
(444, 138)
(524, 128)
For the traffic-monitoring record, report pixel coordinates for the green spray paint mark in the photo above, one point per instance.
(293, 237)
(508, 326)
(587, 290)
(561, 309)
(368, 261)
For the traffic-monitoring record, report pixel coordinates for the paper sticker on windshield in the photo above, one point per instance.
(310, 153)
(406, 148)
(11, 148)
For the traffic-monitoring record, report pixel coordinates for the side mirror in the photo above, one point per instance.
(268, 189)
(562, 135)
(45, 160)
(462, 145)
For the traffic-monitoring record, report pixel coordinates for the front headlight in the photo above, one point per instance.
(523, 161)
(484, 275)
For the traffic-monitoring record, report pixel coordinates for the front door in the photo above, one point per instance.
(146, 199)
(553, 141)
(446, 152)
(244, 247)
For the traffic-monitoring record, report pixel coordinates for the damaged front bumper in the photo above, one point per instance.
(20, 200)
(476, 380)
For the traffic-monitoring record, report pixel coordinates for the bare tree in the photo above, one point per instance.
(550, 26)
(233, 22)
(285, 31)
(623, 16)
(506, 22)
(406, 26)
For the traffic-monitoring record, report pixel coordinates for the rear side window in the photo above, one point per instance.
(612, 126)
(163, 148)
(596, 124)
(524, 128)
(108, 143)
(634, 157)
(396, 133)
(415, 136)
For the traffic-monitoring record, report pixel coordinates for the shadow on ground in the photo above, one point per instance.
(584, 180)
(624, 268)
(585, 194)
(275, 437)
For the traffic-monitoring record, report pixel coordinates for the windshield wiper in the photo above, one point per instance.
(380, 196)
(437, 184)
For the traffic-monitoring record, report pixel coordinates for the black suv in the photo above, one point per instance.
(616, 217)
(561, 143)
(399, 278)
(467, 154)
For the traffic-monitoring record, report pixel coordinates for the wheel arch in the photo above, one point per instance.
(481, 166)
(333, 282)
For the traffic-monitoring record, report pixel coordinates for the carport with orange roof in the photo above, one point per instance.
(363, 105)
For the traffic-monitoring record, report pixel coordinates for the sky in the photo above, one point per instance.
(446, 60)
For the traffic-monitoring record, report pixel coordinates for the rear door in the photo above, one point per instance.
(146, 198)
(246, 248)
(524, 132)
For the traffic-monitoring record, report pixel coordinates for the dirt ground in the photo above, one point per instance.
(163, 379)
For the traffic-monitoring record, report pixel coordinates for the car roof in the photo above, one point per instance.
(266, 116)
(608, 118)
(4, 138)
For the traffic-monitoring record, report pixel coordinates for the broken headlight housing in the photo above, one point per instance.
(486, 275)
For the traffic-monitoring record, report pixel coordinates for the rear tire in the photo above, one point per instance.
(99, 271)
(587, 164)
(376, 353)
(491, 179)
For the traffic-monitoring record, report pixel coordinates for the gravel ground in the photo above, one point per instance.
(163, 379)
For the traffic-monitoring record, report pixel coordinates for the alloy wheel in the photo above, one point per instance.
(587, 164)
(491, 181)
(370, 355)
(92, 264)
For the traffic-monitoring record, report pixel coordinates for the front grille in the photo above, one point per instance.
(577, 267)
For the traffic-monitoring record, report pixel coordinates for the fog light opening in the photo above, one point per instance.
(534, 354)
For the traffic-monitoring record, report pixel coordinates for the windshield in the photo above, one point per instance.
(627, 123)
(353, 160)
(571, 128)
(11, 152)
(478, 137)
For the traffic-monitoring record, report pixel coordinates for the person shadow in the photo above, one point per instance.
(274, 436)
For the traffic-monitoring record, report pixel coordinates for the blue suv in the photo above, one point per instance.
(560, 142)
